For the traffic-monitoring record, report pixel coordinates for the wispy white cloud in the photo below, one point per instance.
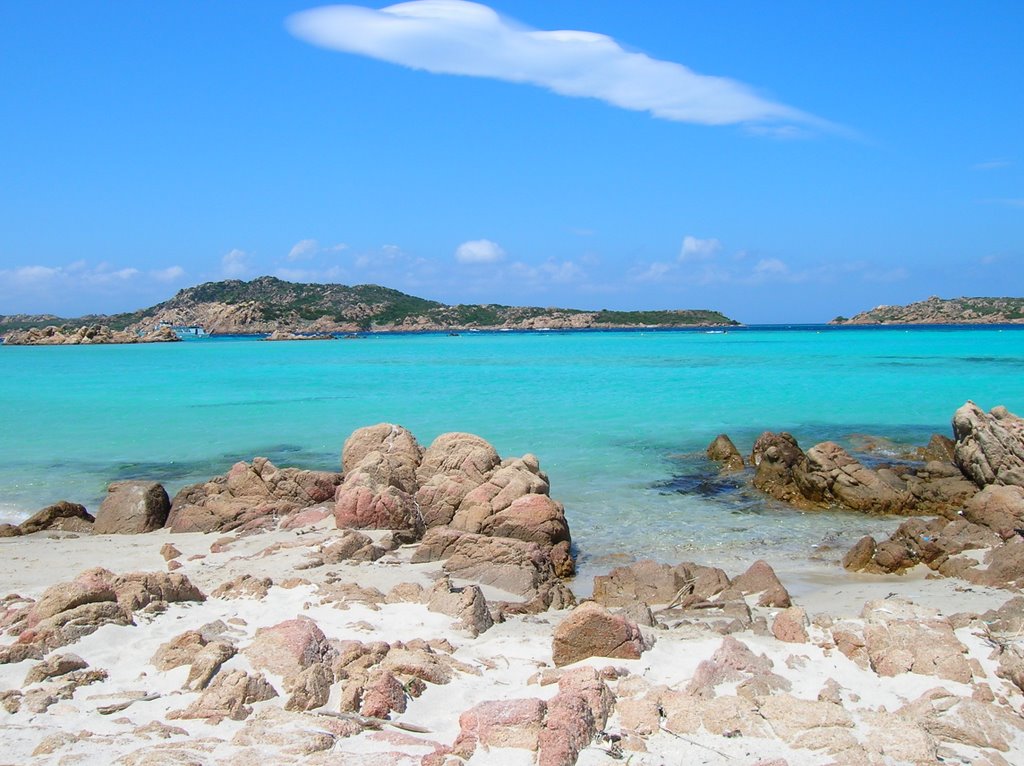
(464, 38)
(235, 264)
(170, 274)
(698, 249)
(654, 272)
(479, 251)
(770, 267)
(305, 249)
(80, 286)
(997, 164)
(543, 274)
(702, 262)
(1006, 201)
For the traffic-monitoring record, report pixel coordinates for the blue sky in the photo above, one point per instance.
(780, 162)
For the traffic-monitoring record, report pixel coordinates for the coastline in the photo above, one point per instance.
(325, 614)
(800, 699)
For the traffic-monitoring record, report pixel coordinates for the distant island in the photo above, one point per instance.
(937, 310)
(267, 304)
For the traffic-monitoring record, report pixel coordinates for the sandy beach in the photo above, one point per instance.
(296, 641)
(510, 661)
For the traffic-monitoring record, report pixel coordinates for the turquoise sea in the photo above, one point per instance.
(618, 419)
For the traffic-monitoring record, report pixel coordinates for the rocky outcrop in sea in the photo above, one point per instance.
(85, 336)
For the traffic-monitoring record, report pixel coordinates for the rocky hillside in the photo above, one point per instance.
(944, 311)
(267, 304)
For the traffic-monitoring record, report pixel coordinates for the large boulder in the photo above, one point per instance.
(532, 518)
(775, 456)
(989, 447)
(453, 465)
(592, 631)
(387, 439)
(513, 479)
(514, 566)
(380, 483)
(132, 507)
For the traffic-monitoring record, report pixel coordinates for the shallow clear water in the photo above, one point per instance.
(618, 419)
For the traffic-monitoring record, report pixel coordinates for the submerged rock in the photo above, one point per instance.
(723, 451)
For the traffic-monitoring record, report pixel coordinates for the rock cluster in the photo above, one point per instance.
(68, 611)
(460, 485)
(687, 592)
(983, 542)
(828, 476)
(287, 335)
(939, 479)
(254, 495)
(90, 335)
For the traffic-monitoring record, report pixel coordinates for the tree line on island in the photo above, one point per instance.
(267, 304)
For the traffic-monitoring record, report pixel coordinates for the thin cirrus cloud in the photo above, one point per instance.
(464, 38)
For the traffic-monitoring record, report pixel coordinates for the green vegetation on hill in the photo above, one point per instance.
(267, 303)
(943, 311)
(678, 318)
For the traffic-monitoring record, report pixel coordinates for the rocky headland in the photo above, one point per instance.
(937, 310)
(266, 305)
(414, 608)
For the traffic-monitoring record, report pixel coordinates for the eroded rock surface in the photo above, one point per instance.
(989, 447)
(250, 495)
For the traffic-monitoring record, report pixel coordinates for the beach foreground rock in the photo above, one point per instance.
(321, 644)
(132, 507)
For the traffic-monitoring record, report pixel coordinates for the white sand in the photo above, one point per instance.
(507, 657)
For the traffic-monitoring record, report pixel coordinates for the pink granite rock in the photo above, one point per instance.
(500, 723)
(592, 631)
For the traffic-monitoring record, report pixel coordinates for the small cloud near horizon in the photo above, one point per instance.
(479, 251)
(464, 38)
(77, 286)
